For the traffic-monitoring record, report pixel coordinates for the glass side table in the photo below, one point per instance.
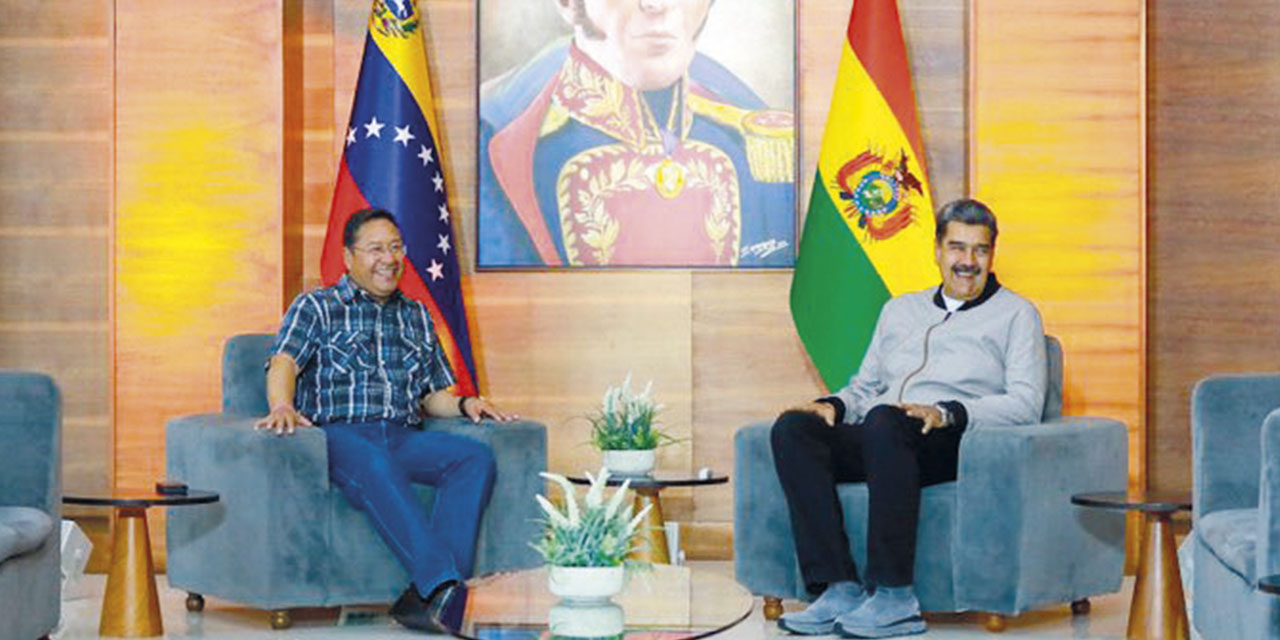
(1158, 609)
(131, 606)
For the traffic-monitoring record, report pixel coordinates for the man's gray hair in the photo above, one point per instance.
(964, 211)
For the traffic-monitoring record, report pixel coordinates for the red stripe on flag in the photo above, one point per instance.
(411, 285)
(347, 199)
(875, 35)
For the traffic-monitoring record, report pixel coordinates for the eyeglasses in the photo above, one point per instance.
(393, 250)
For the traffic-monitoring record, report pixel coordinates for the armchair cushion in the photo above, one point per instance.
(22, 529)
(1231, 535)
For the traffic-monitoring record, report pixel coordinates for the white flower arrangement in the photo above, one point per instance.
(599, 534)
(626, 420)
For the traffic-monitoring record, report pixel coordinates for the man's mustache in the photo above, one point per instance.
(962, 270)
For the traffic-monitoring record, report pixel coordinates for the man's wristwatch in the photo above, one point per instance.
(946, 414)
(462, 404)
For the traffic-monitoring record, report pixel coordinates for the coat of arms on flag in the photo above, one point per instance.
(882, 193)
(868, 235)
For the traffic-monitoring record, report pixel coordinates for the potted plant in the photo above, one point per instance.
(624, 429)
(586, 548)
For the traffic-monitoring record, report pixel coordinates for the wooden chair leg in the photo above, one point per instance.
(772, 608)
(995, 622)
(280, 619)
(1080, 607)
(195, 602)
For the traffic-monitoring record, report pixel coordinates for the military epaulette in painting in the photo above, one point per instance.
(769, 136)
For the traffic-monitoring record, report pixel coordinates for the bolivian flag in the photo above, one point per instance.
(868, 234)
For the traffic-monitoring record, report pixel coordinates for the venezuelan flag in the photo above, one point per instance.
(392, 161)
(868, 234)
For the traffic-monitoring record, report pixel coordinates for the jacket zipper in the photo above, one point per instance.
(927, 332)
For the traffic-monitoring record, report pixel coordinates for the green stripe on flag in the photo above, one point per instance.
(836, 293)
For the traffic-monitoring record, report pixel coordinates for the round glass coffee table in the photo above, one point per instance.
(131, 606)
(653, 531)
(665, 602)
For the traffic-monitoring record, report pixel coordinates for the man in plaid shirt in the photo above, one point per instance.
(363, 362)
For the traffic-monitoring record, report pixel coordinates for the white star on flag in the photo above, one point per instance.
(439, 182)
(436, 270)
(374, 128)
(426, 156)
(444, 244)
(403, 136)
(351, 136)
(444, 212)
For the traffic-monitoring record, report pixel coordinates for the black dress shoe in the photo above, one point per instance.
(440, 612)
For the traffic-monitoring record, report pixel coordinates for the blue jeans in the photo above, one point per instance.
(375, 465)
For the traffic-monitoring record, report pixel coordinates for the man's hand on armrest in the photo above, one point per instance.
(443, 404)
(282, 380)
(283, 419)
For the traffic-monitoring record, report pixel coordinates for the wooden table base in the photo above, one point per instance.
(652, 530)
(131, 607)
(1158, 609)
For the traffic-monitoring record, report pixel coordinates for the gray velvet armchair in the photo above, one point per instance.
(1235, 537)
(30, 505)
(1002, 539)
(282, 536)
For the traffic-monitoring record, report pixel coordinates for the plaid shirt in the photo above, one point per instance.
(359, 360)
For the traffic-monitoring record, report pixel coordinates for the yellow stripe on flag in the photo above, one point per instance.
(860, 120)
(409, 58)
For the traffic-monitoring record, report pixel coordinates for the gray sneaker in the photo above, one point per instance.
(891, 612)
(819, 618)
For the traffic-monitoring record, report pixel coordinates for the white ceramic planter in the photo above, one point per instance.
(630, 462)
(581, 620)
(586, 584)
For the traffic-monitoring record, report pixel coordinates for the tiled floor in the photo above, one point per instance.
(225, 620)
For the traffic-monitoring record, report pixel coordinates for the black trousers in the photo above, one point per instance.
(888, 452)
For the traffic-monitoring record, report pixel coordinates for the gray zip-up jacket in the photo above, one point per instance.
(984, 362)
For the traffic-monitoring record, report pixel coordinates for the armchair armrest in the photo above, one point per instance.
(31, 438)
(1016, 526)
(264, 481)
(1269, 498)
(1226, 412)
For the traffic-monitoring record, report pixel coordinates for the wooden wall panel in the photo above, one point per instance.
(198, 227)
(1058, 154)
(748, 365)
(320, 122)
(1215, 269)
(55, 181)
(554, 341)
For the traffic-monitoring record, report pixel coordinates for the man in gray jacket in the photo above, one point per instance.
(964, 355)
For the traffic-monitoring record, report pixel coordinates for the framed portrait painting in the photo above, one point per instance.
(636, 133)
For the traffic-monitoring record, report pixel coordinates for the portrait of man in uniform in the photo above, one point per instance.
(612, 134)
